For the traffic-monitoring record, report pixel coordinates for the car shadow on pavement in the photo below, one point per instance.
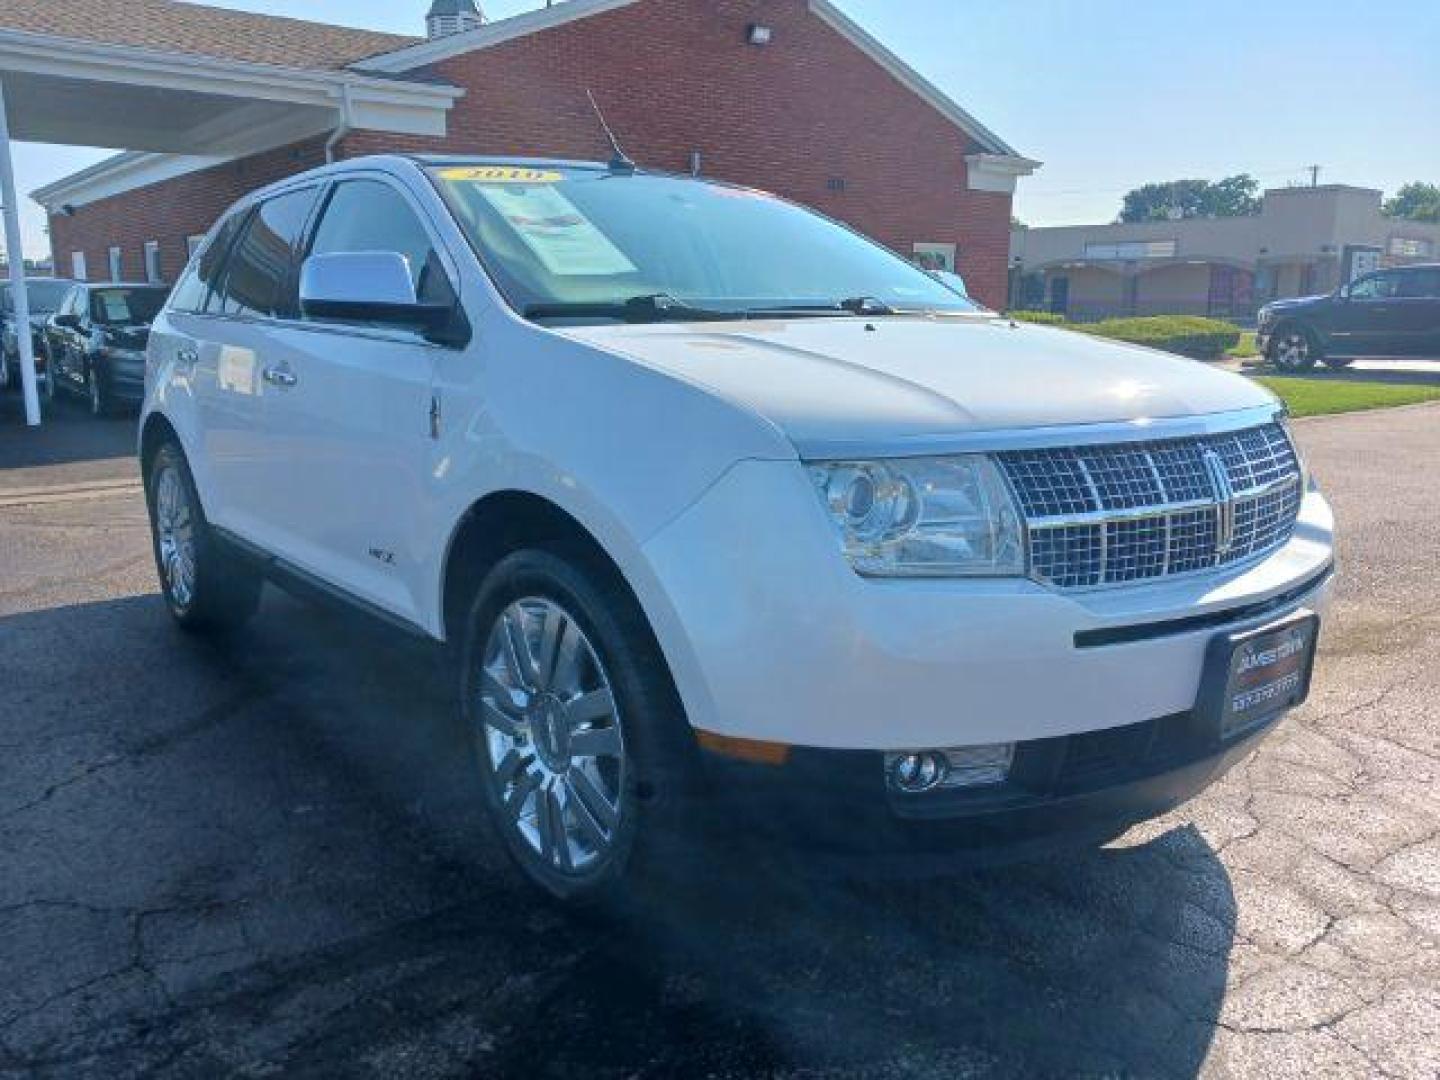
(264, 855)
(67, 435)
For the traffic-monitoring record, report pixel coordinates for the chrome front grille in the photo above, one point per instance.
(1122, 512)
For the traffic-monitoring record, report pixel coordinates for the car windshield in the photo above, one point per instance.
(584, 243)
(44, 296)
(126, 307)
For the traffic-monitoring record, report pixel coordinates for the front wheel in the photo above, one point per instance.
(99, 396)
(578, 736)
(205, 587)
(52, 375)
(1294, 349)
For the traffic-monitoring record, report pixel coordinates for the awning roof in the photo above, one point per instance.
(199, 30)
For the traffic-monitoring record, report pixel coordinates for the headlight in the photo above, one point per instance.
(923, 517)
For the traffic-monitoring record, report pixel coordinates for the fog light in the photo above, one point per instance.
(958, 767)
(914, 773)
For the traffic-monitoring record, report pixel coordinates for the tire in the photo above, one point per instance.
(51, 388)
(205, 587)
(1295, 349)
(97, 392)
(557, 651)
(1339, 363)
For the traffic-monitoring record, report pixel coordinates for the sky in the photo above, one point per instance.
(1109, 94)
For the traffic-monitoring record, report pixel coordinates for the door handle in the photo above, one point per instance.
(280, 376)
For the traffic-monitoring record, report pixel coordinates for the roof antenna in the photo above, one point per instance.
(620, 162)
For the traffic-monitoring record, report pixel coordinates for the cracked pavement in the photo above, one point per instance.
(262, 857)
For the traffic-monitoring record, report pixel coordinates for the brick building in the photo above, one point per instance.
(787, 95)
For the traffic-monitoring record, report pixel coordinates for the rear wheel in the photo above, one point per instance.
(205, 587)
(578, 737)
(1294, 349)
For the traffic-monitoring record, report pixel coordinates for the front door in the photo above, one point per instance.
(1060, 295)
(348, 408)
(1367, 320)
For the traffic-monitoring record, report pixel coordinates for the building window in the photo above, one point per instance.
(1404, 247)
(1133, 249)
(152, 262)
(934, 257)
(77, 265)
(117, 270)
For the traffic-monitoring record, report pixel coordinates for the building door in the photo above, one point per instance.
(1232, 292)
(1060, 295)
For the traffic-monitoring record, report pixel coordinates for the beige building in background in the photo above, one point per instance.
(1304, 240)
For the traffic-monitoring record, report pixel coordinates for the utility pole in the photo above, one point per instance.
(1314, 175)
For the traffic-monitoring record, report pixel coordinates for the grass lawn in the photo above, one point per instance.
(1321, 395)
(1246, 348)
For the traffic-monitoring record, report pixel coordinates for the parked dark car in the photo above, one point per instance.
(1388, 313)
(45, 295)
(95, 342)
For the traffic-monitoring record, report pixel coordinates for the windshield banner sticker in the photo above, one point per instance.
(566, 242)
(503, 174)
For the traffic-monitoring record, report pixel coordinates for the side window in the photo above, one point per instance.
(370, 216)
(1375, 287)
(194, 286)
(1422, 284)
(259, 277)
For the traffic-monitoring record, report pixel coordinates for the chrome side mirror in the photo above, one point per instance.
(374, 287)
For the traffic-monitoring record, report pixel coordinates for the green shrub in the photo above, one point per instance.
(1047, 318)
(1203, 339)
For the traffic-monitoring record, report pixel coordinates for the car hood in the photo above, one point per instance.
(127, 337)
(1296, 301)
(837, 384)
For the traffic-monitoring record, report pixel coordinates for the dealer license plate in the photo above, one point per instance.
(1254, 674)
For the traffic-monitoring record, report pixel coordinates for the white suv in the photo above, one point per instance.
(699, 484)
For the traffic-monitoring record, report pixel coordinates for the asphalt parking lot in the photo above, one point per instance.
(261, 858)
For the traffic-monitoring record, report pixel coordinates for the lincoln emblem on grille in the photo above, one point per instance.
(1224, 503)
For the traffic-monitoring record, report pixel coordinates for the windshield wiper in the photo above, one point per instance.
(855, 305)
(652, 307)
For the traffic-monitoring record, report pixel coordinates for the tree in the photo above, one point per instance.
(1417, 202)
(1234, 196)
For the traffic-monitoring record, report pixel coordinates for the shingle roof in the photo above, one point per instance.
(201, 30)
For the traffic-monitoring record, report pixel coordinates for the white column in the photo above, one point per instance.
(17, 269)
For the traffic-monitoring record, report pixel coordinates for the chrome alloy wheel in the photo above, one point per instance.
(551, 735)
(1292, 350)
(175, 534)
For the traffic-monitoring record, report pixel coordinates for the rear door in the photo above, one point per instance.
(1419, 304)
(350, 419)
(248, 311)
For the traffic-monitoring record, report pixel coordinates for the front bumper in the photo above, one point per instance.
(772, 637)
(125, 375)
(1067, 792)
